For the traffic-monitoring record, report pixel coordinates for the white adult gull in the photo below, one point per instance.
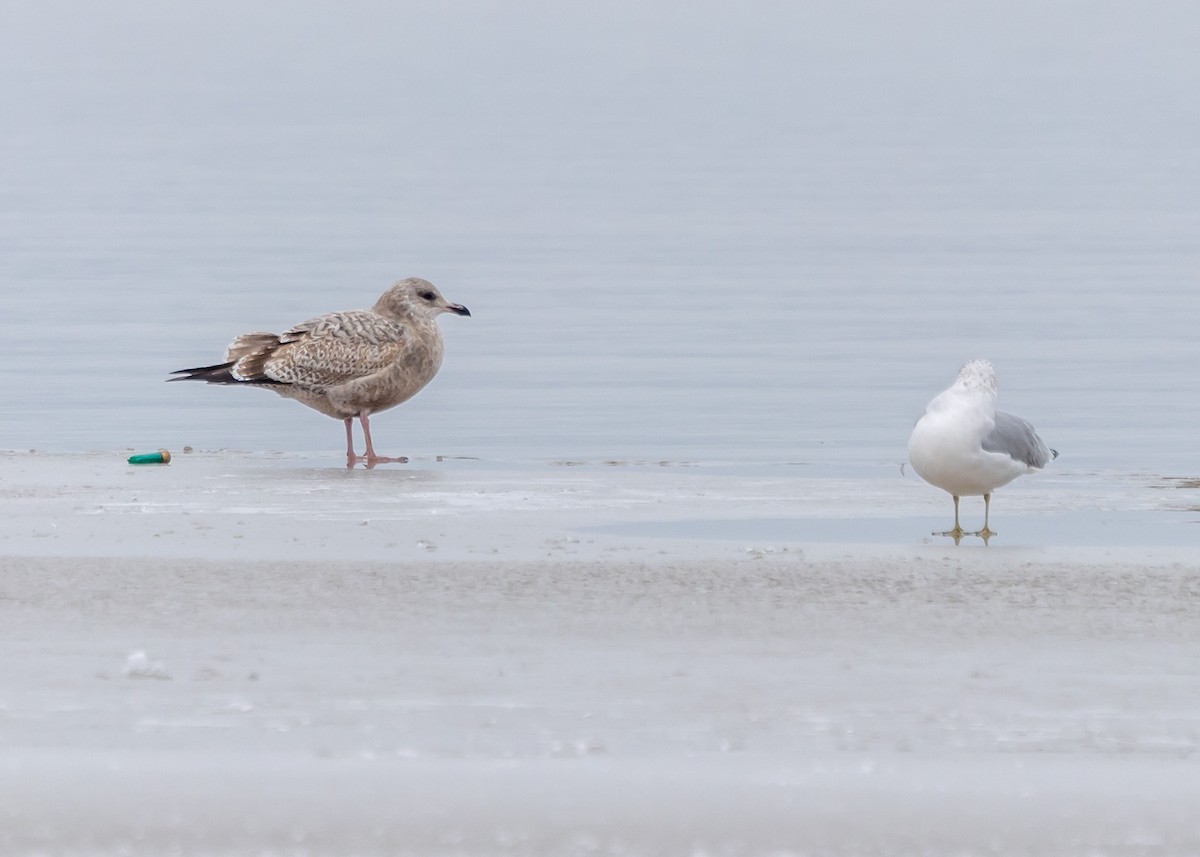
(345, 364)
(964, 446)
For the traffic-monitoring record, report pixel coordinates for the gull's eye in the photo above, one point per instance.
(428, 296)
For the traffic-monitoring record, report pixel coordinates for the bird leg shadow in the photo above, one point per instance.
(370, 461)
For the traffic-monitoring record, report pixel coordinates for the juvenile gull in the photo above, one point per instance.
(345, 364)
(963, 445)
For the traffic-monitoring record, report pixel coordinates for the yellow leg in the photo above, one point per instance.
(957, 532)
(986, 533)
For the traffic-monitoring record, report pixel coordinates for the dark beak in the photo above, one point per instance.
(459, 309)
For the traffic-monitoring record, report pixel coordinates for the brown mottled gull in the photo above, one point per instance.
(345, 364)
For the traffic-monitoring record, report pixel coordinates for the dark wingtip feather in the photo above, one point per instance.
(1053, 454)
(218, 373)
(222, 373)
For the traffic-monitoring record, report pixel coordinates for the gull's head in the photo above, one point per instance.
(416, 298)
(977, 376)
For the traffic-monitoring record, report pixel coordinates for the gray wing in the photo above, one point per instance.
(1015, 437)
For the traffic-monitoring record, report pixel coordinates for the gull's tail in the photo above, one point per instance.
(220, 373)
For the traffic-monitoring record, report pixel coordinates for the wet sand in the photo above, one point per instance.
(239, 655)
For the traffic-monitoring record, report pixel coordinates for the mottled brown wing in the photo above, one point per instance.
(335, 348)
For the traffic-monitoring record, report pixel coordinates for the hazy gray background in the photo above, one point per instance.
(706, 230)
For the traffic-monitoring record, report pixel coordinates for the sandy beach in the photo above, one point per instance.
(452, 658)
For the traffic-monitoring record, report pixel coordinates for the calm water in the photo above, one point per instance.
(685, 232)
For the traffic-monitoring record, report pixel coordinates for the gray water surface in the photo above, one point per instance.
(706, 232)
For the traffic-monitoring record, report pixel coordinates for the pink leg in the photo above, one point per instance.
(349, 421)
(372, 458)
(362, 418)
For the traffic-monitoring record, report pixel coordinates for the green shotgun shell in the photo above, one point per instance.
(160, 457)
